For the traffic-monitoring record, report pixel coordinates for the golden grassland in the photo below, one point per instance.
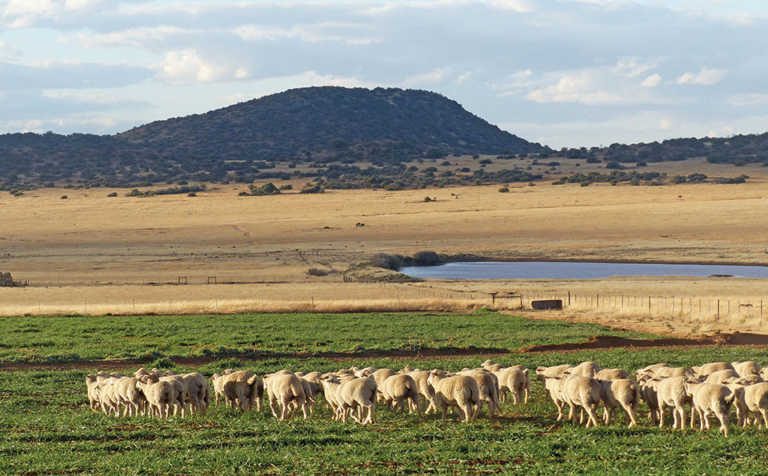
(92, 254)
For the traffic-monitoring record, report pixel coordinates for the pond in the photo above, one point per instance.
(575, 270)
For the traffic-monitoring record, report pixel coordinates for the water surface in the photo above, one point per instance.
(574, 270)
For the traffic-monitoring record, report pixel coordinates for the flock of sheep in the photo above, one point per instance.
(710, 389)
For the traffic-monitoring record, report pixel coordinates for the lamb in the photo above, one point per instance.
(360, 393)
(197, 391)
(746, 369)
(707, 369)
(671, 392)
(756, 400)
(582, 392)
(585, 369)
(379, 376)
(421, 377)
(240, 389)
(129, 395)
(515, 381)
(612, 374)
(711, 398)
(488, 385)
(285, 389)
(399, 388)
(460, 391)
(160, 394)
(624, 393)
(722, 376)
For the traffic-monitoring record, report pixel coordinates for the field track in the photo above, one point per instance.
(594, 343)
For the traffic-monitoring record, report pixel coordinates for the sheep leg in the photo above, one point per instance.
(661, 414)
(592, 416)
(764, 413)
(526, 395)
(570, 411)
(723, 417)
(630, 411)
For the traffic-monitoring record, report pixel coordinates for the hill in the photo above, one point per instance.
(312, 126)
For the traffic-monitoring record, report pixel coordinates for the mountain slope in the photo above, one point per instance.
(332, 122)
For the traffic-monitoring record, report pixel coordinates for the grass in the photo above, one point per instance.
(47, 428)
(150, 337)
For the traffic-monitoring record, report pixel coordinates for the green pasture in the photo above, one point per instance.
(46, 426)
(151, 337)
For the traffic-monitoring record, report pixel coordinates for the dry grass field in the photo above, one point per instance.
(90, 253)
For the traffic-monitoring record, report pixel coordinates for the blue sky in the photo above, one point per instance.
(559, 72)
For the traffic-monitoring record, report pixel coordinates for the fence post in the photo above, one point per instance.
(649, 304)
(569, 298)
(718, 309)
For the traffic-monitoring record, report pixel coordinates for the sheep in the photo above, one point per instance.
(379, 376)
(554, 371)
(488, 385)
(515, 381)
(553, 385)
(197, 391)
(240, 389)
(181, 393)
(747, 368)
(585, 369)
(360, 393)
(107, 394)
(285, 389)
(756, 400)
(671, 393)
(129, 395)
(399, 388)
(427, 393)
(460, 391)
(582, 392)
(649, 395)
(624, 393)
(739, 401)
(218, 388)
(721, 376)
(309, 393)
(611, 374)
(92, 387)
(711, 398)
(330, 391)
(160, 394)
(707, 369)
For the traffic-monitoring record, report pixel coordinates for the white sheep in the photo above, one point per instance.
(358, 393)
(426, 392)
(581, 392)
(513, 380)
(620, 393)
(400, 388)
(488, 385)
(671, 393)
(160, 394)
(756, 400)
(707, 369)
(711, 398)
(746, 368)
(458, 391)
(285, 389)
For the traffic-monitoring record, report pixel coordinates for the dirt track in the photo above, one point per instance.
(594, 343)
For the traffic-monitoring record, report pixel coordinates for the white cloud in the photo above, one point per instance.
(308, 33)
(665, 124)
(705, 77)
(518, 6)
(651, 81)
(186, 66)
(430, 77)
(463, 77)
(577, 87)
(634, 66)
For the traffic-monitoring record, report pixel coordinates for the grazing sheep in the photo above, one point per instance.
(218, 388)
(427, 393)
(756, 400)
(129, 396)
(671, 393)
(488, 385)
(181, 393)
(458, 391)
(92, 386)
(585, 369)
(358, 393)
(241, 389)
(197, 392)
(623, 393)
(285, 389)
(399, 388)
(379, 376)
(711, 398)
(722, 376)
(650, 397)
(330, 391)
(707, 369)
(747, 368)
(160, 394)
(515, 381)
(582, 392)
(612, 374)
(554, 386)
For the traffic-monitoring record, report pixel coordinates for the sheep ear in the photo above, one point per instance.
(525, 371)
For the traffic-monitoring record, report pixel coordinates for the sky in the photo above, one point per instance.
(565, 73)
